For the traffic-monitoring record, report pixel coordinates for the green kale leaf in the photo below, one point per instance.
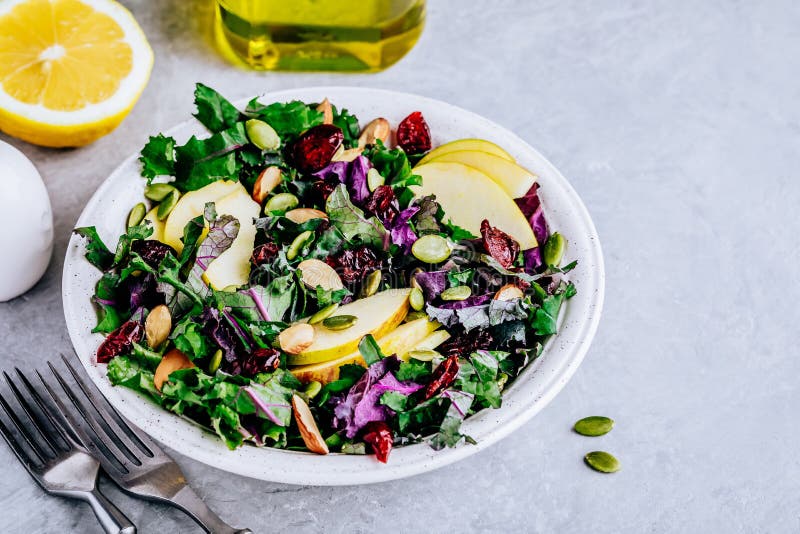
(213, 110)
(158, 157)
(351, 221)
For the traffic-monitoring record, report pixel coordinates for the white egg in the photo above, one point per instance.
(26, 241)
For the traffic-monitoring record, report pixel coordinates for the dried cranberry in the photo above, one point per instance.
(413, 134)
(314, 149)
(443, 376)
(120, 341)
(261, 361)
(354, 264)
(379, 437)
(264, 253)
(465, 343)
(321, 190)
(499, 244)
(382, 203)
(152, 251)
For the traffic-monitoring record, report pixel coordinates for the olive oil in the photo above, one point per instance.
(305, 35)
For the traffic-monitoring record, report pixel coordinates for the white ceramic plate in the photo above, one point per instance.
(531, 392)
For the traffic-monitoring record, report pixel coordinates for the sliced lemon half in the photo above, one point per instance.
(70, 70)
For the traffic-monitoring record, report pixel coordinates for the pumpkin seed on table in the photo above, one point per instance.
(323, 314)
(602, 461)
(595, 425)
(168, 204)
(431, 248)
(339, 322)
(136, 216)
(297, 245)
(416, 299)
(456, 293)
(281, 203)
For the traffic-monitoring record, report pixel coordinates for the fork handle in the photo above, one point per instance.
(111, 518)
(188, 501)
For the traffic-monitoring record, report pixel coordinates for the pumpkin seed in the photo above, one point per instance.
(323, 314)
(339, 322)
(415, 315)
(431, 248)
(297, 245)
(602, 461)
(372, 284)
(168, 204)
(456, 293)
(312, 389)
(554, 249)
(595, 425)
(281, 203)
(262, 134)
(136, 216)
(374, 179)
(158, 192)
(334, 440)
(215, 361)
(416, 299)
(423, 355)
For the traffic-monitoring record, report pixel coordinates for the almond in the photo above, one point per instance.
(315, 273)
(157, 326)
(268, 180)
(297, 338)
(377, 129)
(327, 111)
(347, 155)
(508, 292)
(174, 360)
(308, 427)
(301, 215)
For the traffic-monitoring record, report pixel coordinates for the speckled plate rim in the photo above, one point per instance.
(531, 392)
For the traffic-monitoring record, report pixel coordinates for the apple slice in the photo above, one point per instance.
(515, 180)
(190, 206)
(399, 341)
(232, 267)
(469, 196)
(376, 315)
(158, 225)
(466, 144)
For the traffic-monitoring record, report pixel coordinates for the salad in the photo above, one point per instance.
(304, 281)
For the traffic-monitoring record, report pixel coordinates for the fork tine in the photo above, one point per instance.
(106, 458)
(35, 449)
(19, 452)
(111, 416)
(33, 416)
(93, 440)
(52, 414)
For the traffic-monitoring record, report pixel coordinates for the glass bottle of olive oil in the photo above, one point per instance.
(333, 35)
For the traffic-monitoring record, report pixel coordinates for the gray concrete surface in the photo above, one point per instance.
(678, 122)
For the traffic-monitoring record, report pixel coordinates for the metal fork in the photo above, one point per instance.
(129, 456)
(60, 466)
